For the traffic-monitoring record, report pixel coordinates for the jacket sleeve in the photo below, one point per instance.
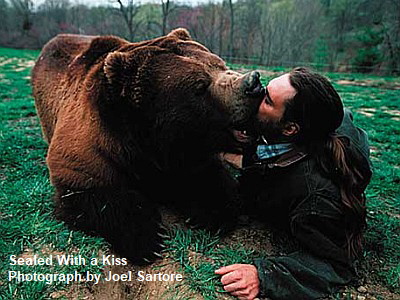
(312, 273)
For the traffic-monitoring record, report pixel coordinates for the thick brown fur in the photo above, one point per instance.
(132, 125)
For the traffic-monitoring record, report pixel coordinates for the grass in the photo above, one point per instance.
(27, 226)
(26, 222)
(383, 194)
(199, 254)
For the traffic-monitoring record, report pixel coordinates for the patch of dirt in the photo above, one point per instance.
(23, 64)
(373, 150)
(254, 237)
(250, 235)
(3, 176)
(270, 73)
(6, 61)
(369, 112)
(368, 292)
(394, 113)
(163, 289)
(135, 289)
(5, 81)
(75, 291)
(30, 121)
(18, 64)
(45, 251)
(263, 73)
(371, 83)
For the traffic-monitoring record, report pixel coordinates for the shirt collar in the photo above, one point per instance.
(269, 151)
(288, 153)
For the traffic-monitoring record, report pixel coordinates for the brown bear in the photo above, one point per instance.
(133, 125)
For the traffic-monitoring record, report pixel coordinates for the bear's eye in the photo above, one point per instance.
(201, 87)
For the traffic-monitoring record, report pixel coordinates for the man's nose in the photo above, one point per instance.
(252, 84)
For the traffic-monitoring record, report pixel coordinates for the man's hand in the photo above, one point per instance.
(240, 280)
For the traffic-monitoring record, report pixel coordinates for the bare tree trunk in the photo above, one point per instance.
(392, 36)
(24, 9)
(222, 23)
(165, 12)
(210, 23)
(262, 52)
(128, 13)
(231, 49)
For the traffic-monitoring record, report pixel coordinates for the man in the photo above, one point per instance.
(306, 175)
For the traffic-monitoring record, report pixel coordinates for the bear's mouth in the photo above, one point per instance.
(241, 136)
(242, 129)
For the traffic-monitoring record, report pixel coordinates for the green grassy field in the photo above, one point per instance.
(27, 226)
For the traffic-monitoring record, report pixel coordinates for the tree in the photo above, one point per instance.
(166, 9)
(24, 10)
(289, 30)
(391, 27)
(341, 18)
(151, 20)
(368, 54)
(128, 12)
(231, 49)
(248, 16)
(4, 12)
(56, 11)
(210, 24)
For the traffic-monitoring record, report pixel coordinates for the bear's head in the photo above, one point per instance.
(183, 91)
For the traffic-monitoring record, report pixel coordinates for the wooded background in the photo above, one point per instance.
(334, 35)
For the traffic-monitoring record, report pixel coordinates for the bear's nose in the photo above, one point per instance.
(252, 84)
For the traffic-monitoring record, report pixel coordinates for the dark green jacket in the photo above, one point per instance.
(292, 194)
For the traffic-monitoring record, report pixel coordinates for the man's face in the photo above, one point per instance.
(278, 91)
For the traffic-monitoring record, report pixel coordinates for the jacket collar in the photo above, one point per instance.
(288, 158)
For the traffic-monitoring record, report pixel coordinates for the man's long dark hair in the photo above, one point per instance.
(318, 110)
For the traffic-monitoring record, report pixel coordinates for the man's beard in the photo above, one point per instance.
(270, 130)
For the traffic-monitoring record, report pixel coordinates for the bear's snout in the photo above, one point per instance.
(252, 84)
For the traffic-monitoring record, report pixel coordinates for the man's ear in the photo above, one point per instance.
(291, 129)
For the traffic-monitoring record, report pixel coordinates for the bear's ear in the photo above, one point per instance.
(123, 71)
(116, 69)
(181, 33)
(102, 45)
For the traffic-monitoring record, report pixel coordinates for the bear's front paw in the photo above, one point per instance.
(145, 246)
